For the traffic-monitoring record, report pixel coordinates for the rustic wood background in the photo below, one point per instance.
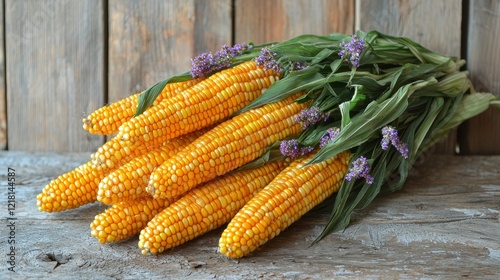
(62, 59)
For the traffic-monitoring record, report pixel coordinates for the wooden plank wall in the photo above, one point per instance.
(65, 58)
(481, 135)
(55, 73)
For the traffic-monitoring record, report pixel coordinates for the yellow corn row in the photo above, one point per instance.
(206, 103)
(107, 119)
(124, 219)
(226, 147)
(294, 192)
(129, 181)
(205, 208)
(71, 189)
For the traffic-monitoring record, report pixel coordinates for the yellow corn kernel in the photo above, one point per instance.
(215, 203)
(124, 219)
(244, 137)
(107, 119)
(293, 192)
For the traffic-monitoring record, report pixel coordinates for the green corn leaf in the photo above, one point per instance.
(147, 97)
(344, 111)
(471, 105)
(296, 81)
(322, 55)
(431, 115)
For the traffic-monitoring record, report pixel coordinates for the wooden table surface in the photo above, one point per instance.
(443, 224)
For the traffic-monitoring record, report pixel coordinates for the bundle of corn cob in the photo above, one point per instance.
(256, 136)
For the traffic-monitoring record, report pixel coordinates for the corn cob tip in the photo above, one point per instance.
(124, 219)
(150, 189)
(104, 196)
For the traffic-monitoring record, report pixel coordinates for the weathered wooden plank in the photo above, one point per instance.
(434, 24)
(443, 224)
(267, 21)
(152, 40)
(3, 103)
(481, 135)
(54, 73)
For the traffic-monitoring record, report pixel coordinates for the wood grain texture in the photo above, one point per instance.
(443, 224)
(150, 41)
(267, 21)
(3, 99)
(434, 24)
(481, 135)
(54, 73)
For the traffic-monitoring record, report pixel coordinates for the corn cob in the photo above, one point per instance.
(129, 181)
(107, 119)
(226, 147)
(72, 189)
(124, 219)
(294, 192)
(206, 103)
(205, 208)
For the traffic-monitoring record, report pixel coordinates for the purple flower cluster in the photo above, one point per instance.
(328, 137)
(267, 58)
(311, 116)
(297, 65)
(290, 148)
(352, 51)
(360, 169)
(207, 63)
(390, 136)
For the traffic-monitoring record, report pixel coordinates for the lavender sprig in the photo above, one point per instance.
(311, 116)
(297, 65)
(352, 51)
(360, 169)
(290, 148)
(267, 58)
(390, 136)
(328, 137)
(207, 63)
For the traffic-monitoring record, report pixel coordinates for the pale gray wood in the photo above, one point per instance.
(434, 24)
(150, 41)
(54, 73)
(481, 135)
(443, 224)
(269, 21)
